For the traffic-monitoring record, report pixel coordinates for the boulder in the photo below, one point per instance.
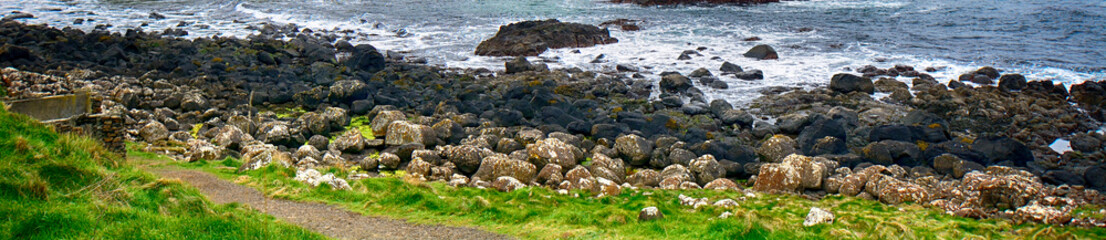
(202, 150)
(888, 152)
(847, 83)
(278, 133)
(644, 178)
(349, 142)
(817, 216)
(552, 150)
(811, 135)
(550, 175)
(706, 169)
(230, 137)
(676, 171)
(1003, 187)
(609, 168)
(722, 184)
(998, 150)
(389, 160)
(634, 149)
(419, 167)
(778, 177)
(346, 91)
(403, 132)
(675, 83)
(728, 67)
(507, 184)
(650, 214)
(466, 157)
(762, 52)
(495, 166)
(1012, 82)
(531, 38)
(365, 57)
(776, 148)
(384, 119)
(261, 155)
(153, 132)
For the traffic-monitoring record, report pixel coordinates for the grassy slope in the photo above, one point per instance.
(64, 187)
(539, 213)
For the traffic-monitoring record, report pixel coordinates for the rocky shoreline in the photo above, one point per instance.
(972, 149)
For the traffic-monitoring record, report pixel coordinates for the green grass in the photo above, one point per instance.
(539, 213)
(361, 124)
(68, 187)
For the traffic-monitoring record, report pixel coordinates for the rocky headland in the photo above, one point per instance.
(971, 147)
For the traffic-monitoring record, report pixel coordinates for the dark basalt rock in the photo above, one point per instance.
(819, 130)
(997, 150)
(762, 52)
(531, 38)
(847, 83)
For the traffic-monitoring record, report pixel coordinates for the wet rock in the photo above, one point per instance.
(495, 166)
(728, 67)
(650, 214)
(762, 52)
(531, 38)
(847, 83)
(365, 57)
(818, 216)
(749, 75)
(520, 64)
(1012, 82)
(701, 72)
(1089, 93)
(634, 149)
(675, 83)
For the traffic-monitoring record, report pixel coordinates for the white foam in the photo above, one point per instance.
(1060, 146)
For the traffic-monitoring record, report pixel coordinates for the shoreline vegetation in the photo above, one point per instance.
(63, 186)
(534, 152)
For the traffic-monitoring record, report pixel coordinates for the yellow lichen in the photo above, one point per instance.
(923, 145)
(935, 125)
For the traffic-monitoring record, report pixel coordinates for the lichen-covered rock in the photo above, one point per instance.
(1042, 214)
(383, 120)
(153, 132)
(778, 177)
(650, 214)
(634, 149)
(726, 203)
(349, 142)
(722, 184)
(314, 178)
(706, 169)
(644, 178)
(776, 148)
(677, 171)
(576, 174)
(202, 150)
(854, 184)
(894, 191)
(605, 187)
(1004, 187)
(467, 158)
(609, 168)
(495, 166)
(419, 167)
(389, 160)
(369, 163)
(261, 155)
(550, 175)
(307, 151)
(817, 216)
(552, 150)
(230, 137)
(403, 132)
(811, 170)
(277, 133)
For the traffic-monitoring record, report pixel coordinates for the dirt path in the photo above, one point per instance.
(328, 220)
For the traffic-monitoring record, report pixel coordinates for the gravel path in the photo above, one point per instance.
(328, 220)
